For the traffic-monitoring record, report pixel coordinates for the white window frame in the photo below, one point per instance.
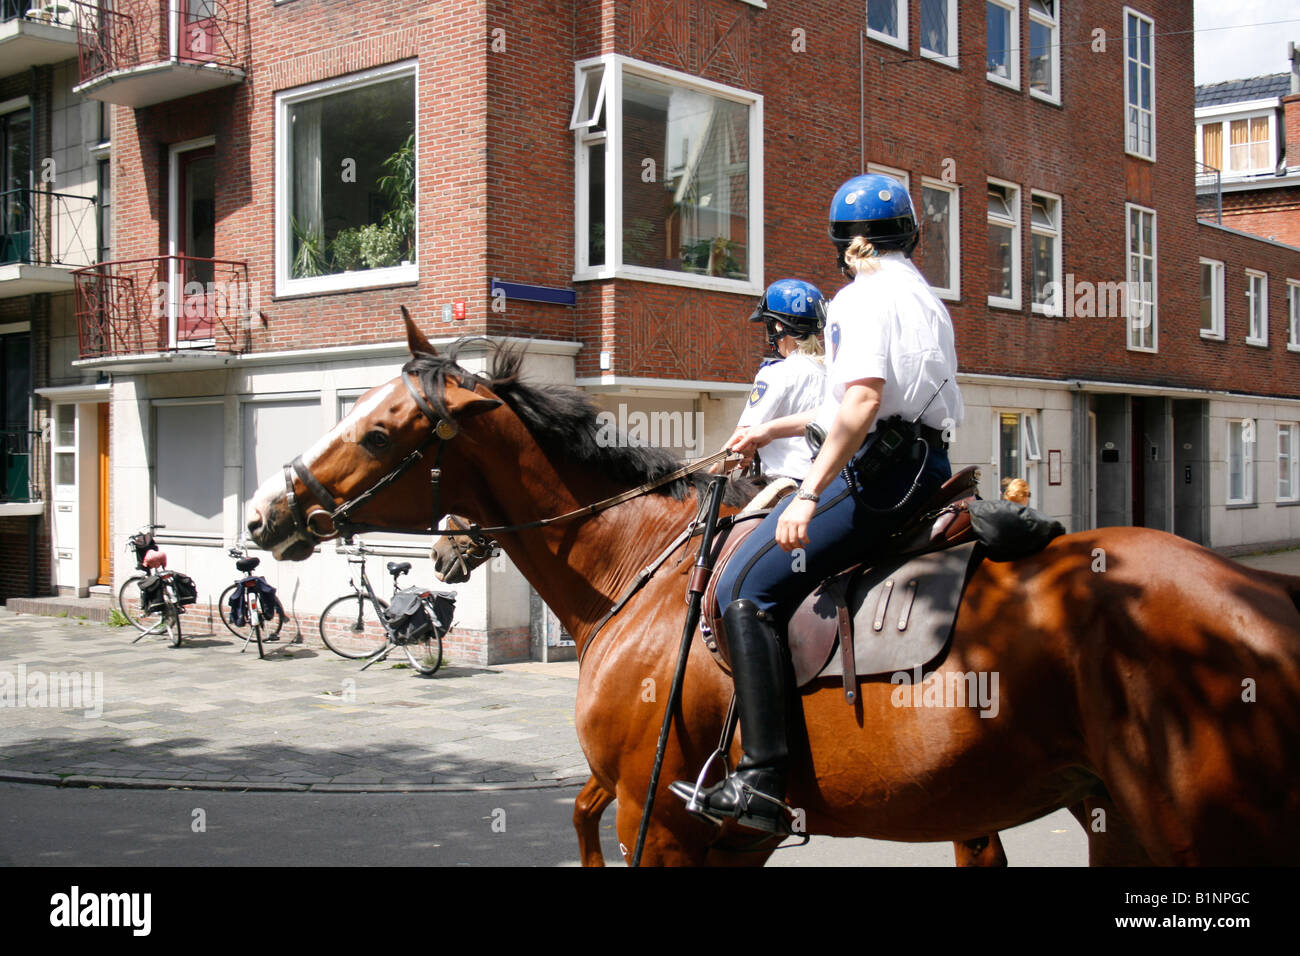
(1216, 306)
(615, 65)
(1029, 452)
(1293, 317)
(1292, 465)
(900, 174)
(1251, 338)
(59, 490)
(1013, 39)
(952, 292)
(1224, 121)
(1132, 286)
(1054, 24)
(1130, 13)
(948, 58)
(1014, 223)
(361, 279)
(900, 15)
(1058, 279)
(1247, 463)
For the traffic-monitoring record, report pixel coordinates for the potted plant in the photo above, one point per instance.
(398, 186)
(309, 258)
(346, 250)
(381, 246)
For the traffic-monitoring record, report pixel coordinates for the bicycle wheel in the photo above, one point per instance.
(257, 636)
(351, 628)
(128, 601)
(269, 628)
(425, 653)
(172, 621)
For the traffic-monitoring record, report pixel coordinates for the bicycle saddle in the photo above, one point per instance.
(396, 569)
(155, 559)
(247, 564)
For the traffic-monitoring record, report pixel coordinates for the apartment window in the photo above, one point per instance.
(1288, 462)
(345, 189)
(1140, 297)
(1211, 299)
(64, 445)
(1044, 50)
(938, 255)
(15, 179)
(105, 211)
(1293, 308)
(1004, 245)
(1241, 461)
(1002, 18)
(887, 21)
(1045, 252)
(901, 175)
(1249, 145)
(669, 177)
(272, 425)
(15, 396)
(939, 30)
(1016, 451)
(1257, 307)
(1139, 84)
(189, 465)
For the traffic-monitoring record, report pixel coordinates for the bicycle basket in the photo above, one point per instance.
(151, 594)
(184, 588)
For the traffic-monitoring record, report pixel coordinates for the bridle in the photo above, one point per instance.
(479, 549)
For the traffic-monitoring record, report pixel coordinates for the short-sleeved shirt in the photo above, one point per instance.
(791, 386)
(887, 324)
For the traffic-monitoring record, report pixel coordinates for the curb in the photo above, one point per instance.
(145, 783)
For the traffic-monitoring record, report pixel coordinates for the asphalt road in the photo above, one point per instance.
(48, 826)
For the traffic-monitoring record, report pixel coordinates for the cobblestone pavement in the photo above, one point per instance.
(206, 715)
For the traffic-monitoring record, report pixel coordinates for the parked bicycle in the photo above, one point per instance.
(154, 600)
(250, 608)
(363, 626)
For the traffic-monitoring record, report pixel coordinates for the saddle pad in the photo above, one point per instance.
(902, 617)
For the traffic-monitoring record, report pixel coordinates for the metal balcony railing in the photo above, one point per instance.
(1209, 193)
(43, 228)
(16, 462)
(138, 32)
(163, 304)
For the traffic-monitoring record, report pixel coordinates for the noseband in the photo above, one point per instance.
(479, 549)
(340, 516)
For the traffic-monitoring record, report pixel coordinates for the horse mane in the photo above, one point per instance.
(560, 417)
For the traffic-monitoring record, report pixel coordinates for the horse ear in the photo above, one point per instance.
(415, 339)
(463, 404)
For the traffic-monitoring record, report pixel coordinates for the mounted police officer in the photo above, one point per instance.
(891, 351)
(794, 313)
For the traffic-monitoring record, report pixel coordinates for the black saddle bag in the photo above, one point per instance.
(184, 588)
(1009, 531)
(151, 594)
(415, 612)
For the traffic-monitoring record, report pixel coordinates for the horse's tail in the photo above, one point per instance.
(1288, 583)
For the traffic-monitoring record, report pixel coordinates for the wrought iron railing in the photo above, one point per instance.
(1209, 193)
(136, 32)
(16, 462)
(43, 228)
(161, 304)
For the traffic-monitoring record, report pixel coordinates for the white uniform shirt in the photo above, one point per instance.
(887, 324)
(788, 387)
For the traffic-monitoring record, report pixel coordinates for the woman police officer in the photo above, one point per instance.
(891, 352)
(794, 312)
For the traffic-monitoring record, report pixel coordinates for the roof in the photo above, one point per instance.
(1273, 86)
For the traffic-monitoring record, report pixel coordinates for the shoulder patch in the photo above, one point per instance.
(835, 339)
(757, 392)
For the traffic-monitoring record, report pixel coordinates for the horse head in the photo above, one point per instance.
(455, 556)
(329, 490)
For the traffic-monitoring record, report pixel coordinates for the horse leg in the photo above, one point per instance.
(1112, 841)
(587, 809)
(672, 838)
(981, 851)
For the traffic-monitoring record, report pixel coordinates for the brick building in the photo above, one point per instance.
(616, 181)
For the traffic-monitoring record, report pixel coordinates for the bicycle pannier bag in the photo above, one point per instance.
(270, 603)
(238, 608)
(151, 594)
(408, 616)
(184, 588)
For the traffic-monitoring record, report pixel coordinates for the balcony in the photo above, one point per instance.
(143, 52)
(43, 237)
(142, 314)
(15, 478)
(33, 33)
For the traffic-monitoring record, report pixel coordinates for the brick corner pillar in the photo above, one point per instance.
(1291, 123)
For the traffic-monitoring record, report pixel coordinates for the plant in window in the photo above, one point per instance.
(346, 250)
(398, 187)
(381, 246)
(310, 258)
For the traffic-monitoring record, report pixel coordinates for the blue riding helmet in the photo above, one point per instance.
(799, 306)
(877, 207)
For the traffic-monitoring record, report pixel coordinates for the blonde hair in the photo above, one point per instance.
(811, 345)
(1014, 488)
(860, 256)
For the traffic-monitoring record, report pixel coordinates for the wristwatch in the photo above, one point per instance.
(807, 495)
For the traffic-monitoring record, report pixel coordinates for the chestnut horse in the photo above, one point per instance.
(456, 556)
(1142, 679)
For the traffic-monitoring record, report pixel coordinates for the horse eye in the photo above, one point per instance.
(378, 440)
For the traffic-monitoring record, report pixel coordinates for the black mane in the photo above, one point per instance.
(560, 417)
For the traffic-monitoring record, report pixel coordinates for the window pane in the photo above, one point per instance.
(934, 26)
(65, 425)
(882, 16)
(269, 429)
(1285, 489)
(1000, 261)
(686, 180)
(1009, 446)
(1236, 462)
(1207, 298)
(65, 472)
(596, 204)
(1040, 58)
(188, 467)
(352, 179)
(999, 35)
(1043, 253)
(934, 256)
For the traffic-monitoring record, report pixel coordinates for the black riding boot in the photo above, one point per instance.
(754, 795)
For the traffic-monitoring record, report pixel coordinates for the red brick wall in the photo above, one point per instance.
(1268, 213)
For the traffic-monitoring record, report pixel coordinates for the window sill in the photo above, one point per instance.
(949, 60)
(761, 4)
(1045, 312)
(1212, 336)
(1292, 348)
(947, 295)
(1003, 82)
(203, 539)
(888, 40)
(1242, 505)
(1258, 343)
(1044, 98)
(1288, 503)
(348, 282)
(684, 279)
(1149, 159)
(1152, 350)
(1007, 305)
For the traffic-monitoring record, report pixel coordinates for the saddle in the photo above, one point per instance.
(895, 616)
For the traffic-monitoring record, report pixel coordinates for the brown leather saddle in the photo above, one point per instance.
(895, 616)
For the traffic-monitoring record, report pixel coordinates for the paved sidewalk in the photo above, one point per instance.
(204, 715)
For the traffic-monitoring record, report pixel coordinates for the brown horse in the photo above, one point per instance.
(1143, 677)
